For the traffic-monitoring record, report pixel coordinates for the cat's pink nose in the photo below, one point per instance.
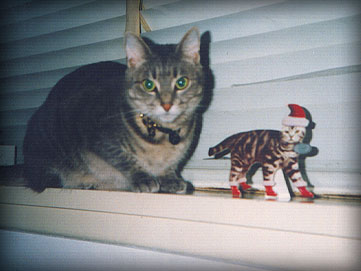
(166, 107)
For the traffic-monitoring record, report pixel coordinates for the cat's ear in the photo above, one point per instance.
(135, 49)
(189, 45)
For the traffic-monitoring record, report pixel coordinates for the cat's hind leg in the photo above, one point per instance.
(108, 177)
(38, 176)
(237, 177)
(79, 180)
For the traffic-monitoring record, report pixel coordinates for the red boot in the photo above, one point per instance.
(235, 191)
(245, 186)
(270, 194)
(305, 193)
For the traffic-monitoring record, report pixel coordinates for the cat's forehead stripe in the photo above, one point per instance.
(154, 73)
(162, 71)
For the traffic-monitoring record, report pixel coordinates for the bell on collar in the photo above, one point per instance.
(174, 137)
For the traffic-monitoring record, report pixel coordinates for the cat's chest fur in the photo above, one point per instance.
(289, 154)
(159, 156)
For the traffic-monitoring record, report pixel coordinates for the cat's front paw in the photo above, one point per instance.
(145, 183)
(175, 185)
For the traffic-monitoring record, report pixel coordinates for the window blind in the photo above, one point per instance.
(264, 55)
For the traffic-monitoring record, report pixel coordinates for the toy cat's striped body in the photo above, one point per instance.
(273, 149)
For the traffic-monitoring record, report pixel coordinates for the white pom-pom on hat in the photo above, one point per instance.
(297, 117)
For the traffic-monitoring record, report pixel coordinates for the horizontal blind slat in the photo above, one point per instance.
(190, 11)
(64, 19)
(33, 9)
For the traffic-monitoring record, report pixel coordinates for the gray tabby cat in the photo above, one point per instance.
(116, 127)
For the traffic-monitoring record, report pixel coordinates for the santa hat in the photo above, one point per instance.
(297, 117)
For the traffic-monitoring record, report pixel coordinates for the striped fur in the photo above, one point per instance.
(89, 132)
(273, 149)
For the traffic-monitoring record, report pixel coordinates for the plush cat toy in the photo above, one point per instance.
(273, 149)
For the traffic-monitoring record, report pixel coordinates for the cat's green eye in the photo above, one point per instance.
(148, 85)
(181, 83)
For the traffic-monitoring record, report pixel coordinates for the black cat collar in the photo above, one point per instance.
(174, 137)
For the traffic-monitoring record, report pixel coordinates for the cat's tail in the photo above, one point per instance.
(222, 148)
(219, 154)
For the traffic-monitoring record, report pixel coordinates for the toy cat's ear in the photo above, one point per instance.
(135, 49)
(189, 45)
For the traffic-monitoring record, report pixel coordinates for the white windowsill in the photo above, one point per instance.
(273, 234)
(28, 251)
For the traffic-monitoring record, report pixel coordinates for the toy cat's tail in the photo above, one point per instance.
(223, 148)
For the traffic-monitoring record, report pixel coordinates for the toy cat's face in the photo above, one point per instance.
(293, 134)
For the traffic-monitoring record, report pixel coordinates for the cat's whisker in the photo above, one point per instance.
(126, 115)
